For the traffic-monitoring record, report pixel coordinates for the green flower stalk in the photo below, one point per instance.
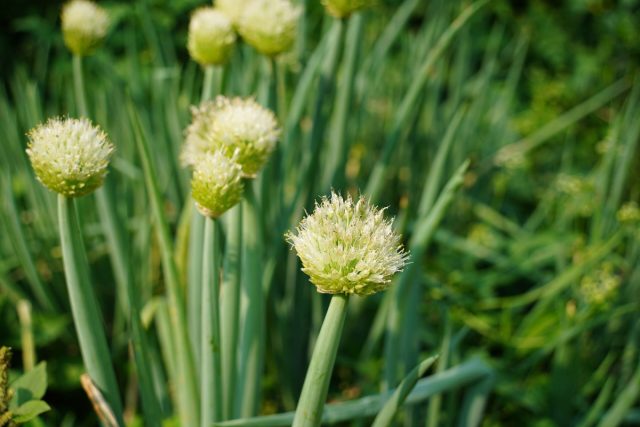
(269, 26)
(211, 37)
(216, 184)
(343, 8)
(216, 187)
(241, 128)
(70, 157)
(346, 247)
(84, 26)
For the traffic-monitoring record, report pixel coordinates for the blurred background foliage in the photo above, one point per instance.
(536, 266)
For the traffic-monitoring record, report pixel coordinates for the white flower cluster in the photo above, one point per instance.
(69, 156)
(348, 247)
(228, 139)
(270, 26)
(211, 37)
(216, 185)
(241, 128)
(84, 25)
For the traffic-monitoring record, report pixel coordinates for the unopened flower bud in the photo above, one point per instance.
(270, 26)
(69, 156)
(211, 37)
(348, 247)
(344, 8)
(84, 26)
(241, 128)
(217, 184)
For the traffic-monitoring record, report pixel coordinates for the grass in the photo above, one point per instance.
(512, 213)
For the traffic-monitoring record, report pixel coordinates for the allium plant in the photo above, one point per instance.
(211, 37)
(84, 26)
(216, 185)
(69, 156)
(270, 26)
(346, 247)
(241, 128)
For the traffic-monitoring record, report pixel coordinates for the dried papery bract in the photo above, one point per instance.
(270, 26)
(241, 128)
(84, 26)
(217, 184)
(69, 156)
(211, 37)
(347, 247)
(344, 8)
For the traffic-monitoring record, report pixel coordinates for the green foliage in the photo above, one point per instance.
(528, 255)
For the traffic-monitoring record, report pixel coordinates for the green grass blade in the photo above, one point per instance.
(85, 307)
(406, 110)
(391, 407)
(189, 404)
(459, 376)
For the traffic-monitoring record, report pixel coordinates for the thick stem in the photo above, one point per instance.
(252, 342)
(78, 86)
(316, 382)
(210, 369)
(230, 307)
(85, 308)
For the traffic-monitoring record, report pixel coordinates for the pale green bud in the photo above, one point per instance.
(270, 26)
(232, 8)
(84, 26)
(211, 37)
(348, 247)
(69, 156)
(344, 8)
(216, 185)
(241, 128)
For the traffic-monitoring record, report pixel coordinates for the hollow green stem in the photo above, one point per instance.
(230, 306)
(85, 308)
(316, 382)
(251, 355)
(210, 369)
(78, 86)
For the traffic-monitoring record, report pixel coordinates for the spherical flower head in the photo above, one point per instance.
(84, 26)
(69, 156)
(270, 26)
(344, 8)
(233, 9)
(348, 247)
(217, 184)
(211, 37)
(241, 128)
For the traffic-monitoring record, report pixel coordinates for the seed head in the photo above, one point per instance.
(69, 156)
(348, 247)
(211, 37)
(344, 8)
(216, 185)
(231, 8)
(84, 26)
(241, 128)
(270, 26)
